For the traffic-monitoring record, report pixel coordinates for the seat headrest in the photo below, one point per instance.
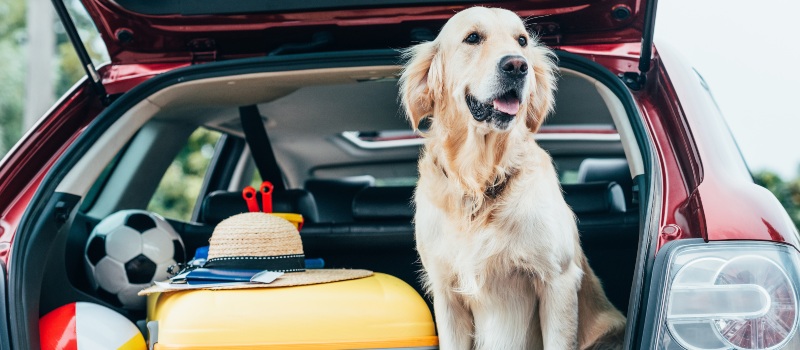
(335, 196)
(595, 197)
(382, 203)
(220, 205)
(351, 181)
(600, 169)
(614, 169)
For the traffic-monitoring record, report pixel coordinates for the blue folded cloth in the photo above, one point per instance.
(203, 275)
(201, 254)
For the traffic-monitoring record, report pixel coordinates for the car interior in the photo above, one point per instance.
(348, 160)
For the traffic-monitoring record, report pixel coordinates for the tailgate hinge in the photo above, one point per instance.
(634, 80)
(203, 50)
(549, 32)
(204, 57)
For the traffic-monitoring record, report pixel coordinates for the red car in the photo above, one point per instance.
(687, 246)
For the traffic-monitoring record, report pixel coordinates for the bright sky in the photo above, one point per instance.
(749, 53)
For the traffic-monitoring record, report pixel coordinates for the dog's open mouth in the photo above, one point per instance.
(507, 103)
(500, 110)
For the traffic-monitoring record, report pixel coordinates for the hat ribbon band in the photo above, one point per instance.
(278, 263)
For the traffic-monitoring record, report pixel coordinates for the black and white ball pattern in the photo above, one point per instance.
(128, 250)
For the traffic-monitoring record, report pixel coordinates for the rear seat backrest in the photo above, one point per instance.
(594, 197)
(382, 236)
(334, 196)
(384, 203)
(395, 203)
(220, 205)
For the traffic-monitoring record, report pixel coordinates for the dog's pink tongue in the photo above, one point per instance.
(507, 105)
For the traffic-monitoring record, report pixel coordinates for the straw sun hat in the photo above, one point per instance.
(260, 241)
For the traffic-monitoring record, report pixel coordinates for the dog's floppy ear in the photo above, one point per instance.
(541, 99)
(420, 83)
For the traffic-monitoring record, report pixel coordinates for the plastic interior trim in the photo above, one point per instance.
(91, 164)
(83, 175)
(243, 173)
(128, 186)
(649, 185)
(621, 121)
(4, 321)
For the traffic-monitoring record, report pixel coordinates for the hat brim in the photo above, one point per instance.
(308, 277)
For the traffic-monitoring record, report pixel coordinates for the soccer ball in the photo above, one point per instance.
(127, 251)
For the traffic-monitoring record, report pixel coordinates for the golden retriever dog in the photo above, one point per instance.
(498, 243)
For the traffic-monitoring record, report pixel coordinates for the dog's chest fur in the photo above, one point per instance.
(516, 234)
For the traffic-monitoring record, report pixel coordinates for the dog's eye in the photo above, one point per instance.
(522, 41)
(472, 38)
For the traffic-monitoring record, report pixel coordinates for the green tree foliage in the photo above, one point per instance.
(177, 192)
(70, 69)
(787, 192)
(180, 185)
(12, 70)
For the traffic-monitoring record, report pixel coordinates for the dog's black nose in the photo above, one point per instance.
(513, 66)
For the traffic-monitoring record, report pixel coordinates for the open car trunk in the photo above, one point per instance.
(179, 32)
(175, 30)
(596, 126)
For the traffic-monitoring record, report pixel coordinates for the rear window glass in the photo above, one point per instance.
(177, 193)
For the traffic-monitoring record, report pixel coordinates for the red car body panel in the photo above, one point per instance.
(724, 200)
(678, 174)
(26, 164)
(120, 78)
(133, 37)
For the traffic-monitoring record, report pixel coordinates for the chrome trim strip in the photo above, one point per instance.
(577, 137)
(352, 136)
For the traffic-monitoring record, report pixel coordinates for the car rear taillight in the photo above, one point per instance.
(739, 295)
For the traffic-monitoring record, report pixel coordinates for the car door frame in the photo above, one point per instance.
(5, 342)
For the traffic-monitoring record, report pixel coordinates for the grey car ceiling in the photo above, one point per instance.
(304, 123)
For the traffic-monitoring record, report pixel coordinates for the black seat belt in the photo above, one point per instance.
(255, 133)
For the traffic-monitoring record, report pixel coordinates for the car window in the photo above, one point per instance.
(568, 176)
(256, 179)
(176, 195)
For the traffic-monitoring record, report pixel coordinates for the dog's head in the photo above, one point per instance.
(486, 67)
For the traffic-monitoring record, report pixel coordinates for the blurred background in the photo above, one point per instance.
(745, 50)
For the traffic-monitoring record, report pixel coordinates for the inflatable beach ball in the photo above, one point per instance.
(87, 326)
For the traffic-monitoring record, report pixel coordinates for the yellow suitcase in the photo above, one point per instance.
(376, 312)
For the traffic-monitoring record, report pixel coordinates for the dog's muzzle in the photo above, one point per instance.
(501, 109)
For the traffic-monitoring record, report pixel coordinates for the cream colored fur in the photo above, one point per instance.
(505, 271)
